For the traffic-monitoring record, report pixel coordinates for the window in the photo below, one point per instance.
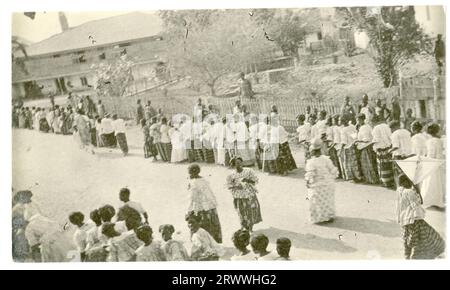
(79, 59)
(319, 35)
(84, 81)
(102, 56)
(56, 55)
(124, 44)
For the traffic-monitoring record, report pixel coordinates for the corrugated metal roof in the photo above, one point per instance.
(135, 25)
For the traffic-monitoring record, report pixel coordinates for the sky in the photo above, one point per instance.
(46, 24)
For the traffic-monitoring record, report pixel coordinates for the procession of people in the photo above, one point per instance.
(360, 144)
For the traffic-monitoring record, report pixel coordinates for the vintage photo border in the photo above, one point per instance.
(8, 7)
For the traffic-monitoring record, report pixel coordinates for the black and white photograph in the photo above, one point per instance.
(245, 134)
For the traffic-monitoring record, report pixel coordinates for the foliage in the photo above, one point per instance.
(288, 27)
(114, 77)
(17, 47)
(208, 44)
(394, 35)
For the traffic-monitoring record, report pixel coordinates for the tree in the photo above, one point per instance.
(288, 27)
(19, 54)
(114, 77)
(394, 35)
(208, 44)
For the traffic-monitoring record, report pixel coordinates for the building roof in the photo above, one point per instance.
(122, 28)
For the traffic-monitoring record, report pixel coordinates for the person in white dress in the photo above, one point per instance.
(48, 241)
(151, 250)
(320, 182)
(204, 247)
(433, 187)
(80, 236)
(173, 250)
(179, 153)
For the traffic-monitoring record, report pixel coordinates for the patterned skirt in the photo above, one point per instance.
(208, 153)
(109, 140)
(350, 164)
(321, 203)
(385, 170)
(368, 161)
(335, 159)
(285, 160)
(122, 140)
(209, 221)
(421, 241)
(165, 151)
(149, 148)
(248, 210)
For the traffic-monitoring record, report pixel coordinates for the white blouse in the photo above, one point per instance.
(381, 136)
(401, 139)
(365, 135)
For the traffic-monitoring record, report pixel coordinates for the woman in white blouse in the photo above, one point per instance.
(381, 145)
(367, 156)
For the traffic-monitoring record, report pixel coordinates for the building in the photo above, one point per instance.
(63, 63)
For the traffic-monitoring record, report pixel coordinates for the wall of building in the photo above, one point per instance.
(68, 63)
(431, 19)
(18, 91)
(48, 86)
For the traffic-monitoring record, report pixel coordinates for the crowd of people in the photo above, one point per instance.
(124, 235)
(88, 122)
(358, 144)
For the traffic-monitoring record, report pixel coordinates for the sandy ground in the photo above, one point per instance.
(70, 179)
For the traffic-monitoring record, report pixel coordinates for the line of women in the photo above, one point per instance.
(212, 139)
(365, 152)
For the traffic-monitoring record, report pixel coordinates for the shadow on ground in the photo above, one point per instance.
(307, 241)
(366, 226)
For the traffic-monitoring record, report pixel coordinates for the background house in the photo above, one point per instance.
(63, 62)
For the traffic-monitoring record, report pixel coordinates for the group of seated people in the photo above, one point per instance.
(124, 235)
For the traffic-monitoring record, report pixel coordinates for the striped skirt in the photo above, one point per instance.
(335, 159)
(385, 170)
(150, 148)
(122, 141)
(368, 161)
(165, 151)
(189, 145)
(421, 241)
(209, 221)
(208, 152)
(248, 210)
(350, 164)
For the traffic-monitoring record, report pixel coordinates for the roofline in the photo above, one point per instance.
(74, 73)
(30, 56)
